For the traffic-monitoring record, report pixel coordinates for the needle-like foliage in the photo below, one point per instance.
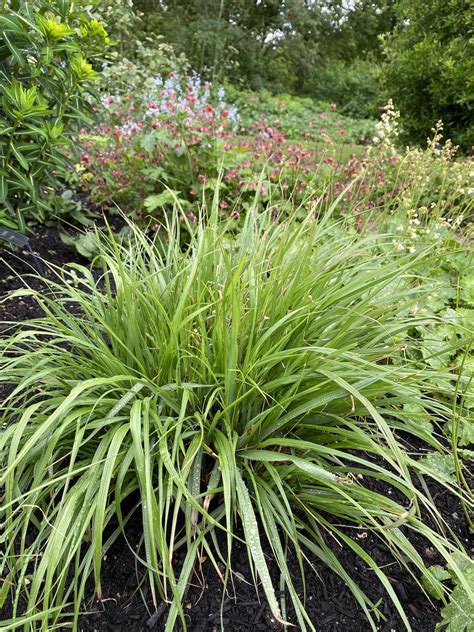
(249, 384)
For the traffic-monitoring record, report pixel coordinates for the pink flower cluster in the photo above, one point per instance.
(178, 138)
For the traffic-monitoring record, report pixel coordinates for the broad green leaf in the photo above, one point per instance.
(168, 196)
(467, 289)
(441, 464)
(458, 615)
(431, 581)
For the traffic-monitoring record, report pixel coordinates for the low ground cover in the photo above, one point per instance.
(185, 146)
(301, 118)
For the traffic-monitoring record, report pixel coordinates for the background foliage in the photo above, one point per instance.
(357, 54)
(430, 68)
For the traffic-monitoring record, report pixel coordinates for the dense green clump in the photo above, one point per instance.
(261, 379)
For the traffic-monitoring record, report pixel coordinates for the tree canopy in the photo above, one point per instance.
(359, 53)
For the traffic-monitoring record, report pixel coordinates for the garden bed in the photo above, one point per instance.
(329, 602)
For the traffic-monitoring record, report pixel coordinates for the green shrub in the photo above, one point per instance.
(260, 379)
(47, 49)
(137, 57)
(354, 86)
(430, 69)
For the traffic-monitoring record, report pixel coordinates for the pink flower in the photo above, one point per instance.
(333, 106)
(231, 174)
(224, 204)
(342, 132)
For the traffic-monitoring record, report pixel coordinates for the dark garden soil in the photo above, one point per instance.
(329, 602)
(17, 267)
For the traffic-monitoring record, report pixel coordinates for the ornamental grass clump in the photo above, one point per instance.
(245, 384)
